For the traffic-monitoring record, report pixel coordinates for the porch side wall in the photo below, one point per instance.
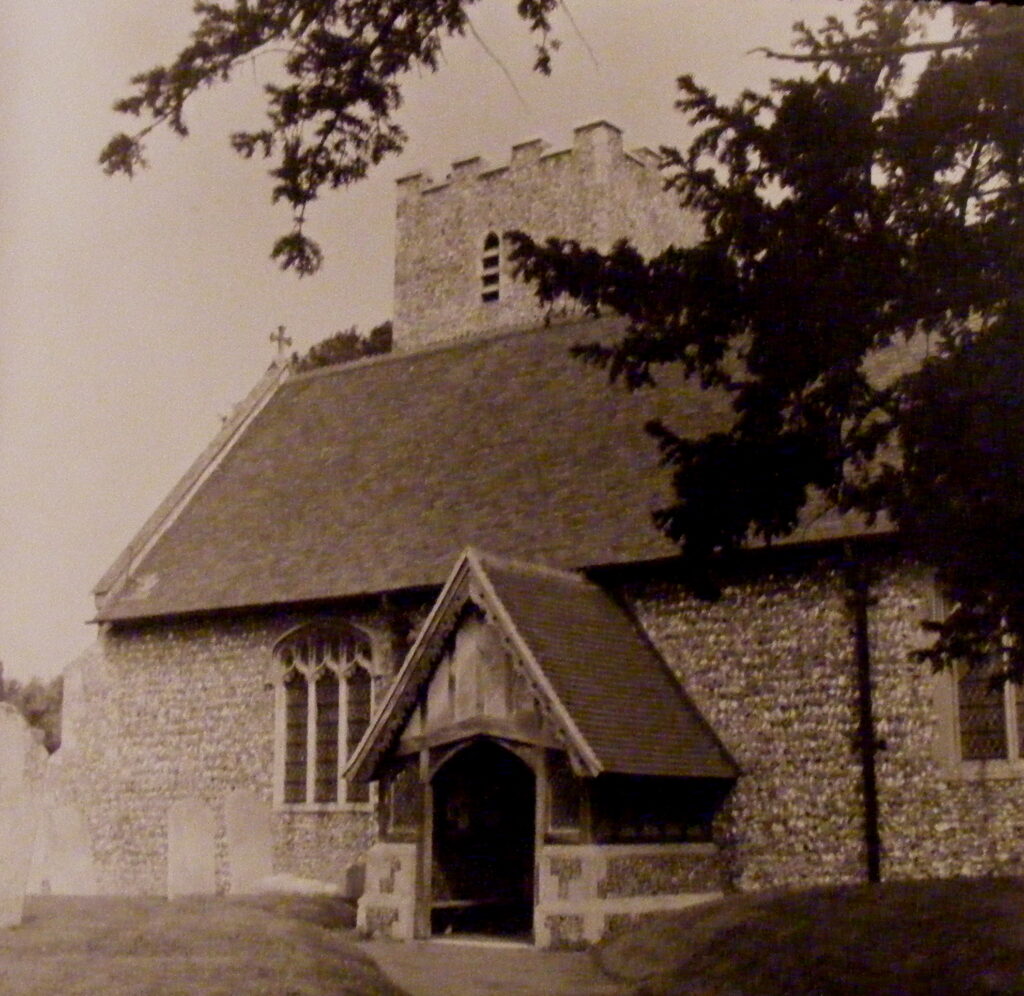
(387, 907)
(588, 891)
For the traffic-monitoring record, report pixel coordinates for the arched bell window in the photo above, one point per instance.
(325, 699)
(490, 269)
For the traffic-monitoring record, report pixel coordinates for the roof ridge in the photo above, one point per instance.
(465, 341)
(484, 557)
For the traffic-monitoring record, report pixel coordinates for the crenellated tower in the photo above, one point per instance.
(452, 276)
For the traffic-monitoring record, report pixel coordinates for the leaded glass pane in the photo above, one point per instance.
(982, 717)
(358, 721)
(327, 737)
(404, 796)
(296, 711)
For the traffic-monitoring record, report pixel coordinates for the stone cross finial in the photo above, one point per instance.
(283, 341)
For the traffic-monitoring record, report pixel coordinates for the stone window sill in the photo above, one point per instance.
(326, 807)
(979, 771)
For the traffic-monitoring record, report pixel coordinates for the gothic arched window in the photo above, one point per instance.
(324, 710)
(490, 269)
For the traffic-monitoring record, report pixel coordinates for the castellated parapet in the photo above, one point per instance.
(450, 283)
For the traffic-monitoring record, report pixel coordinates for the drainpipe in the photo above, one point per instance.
(859, 600)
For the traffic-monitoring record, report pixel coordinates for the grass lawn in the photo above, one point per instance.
(271, 946)
(961, 937)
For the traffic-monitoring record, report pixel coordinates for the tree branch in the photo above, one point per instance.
(857, 54)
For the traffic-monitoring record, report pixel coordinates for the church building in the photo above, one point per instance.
(411, 614)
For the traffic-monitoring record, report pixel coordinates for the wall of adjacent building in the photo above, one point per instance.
(593, 191)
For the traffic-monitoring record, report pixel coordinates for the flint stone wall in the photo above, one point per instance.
(161, 713)
(771, 665)
(167, 712)
(935, 821)
(586, 891)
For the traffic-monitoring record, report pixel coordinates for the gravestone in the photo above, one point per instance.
(190, 849)
(250, 840)
(62, 861)
(18, 814)
(17, 833)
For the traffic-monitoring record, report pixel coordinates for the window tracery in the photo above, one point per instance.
(325, 700)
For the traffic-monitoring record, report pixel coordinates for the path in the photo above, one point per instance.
(484, 968)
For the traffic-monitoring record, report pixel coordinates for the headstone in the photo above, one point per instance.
(190, 849)
(18, 814)
(18, 818)
(250, 840)
(62, 861)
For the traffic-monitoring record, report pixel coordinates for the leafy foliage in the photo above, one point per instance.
(346, 346)
(331, 118)
(39, 702)
(859, 294)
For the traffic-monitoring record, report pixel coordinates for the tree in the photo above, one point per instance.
(346, 346)
(38, 702)
(860, 211)
(331, 118)
(858, 294)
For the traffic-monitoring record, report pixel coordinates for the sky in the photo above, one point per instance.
(135, 314)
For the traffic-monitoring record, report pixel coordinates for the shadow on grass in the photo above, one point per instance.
(933, 938)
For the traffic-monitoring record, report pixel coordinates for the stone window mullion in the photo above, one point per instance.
(342, 734)
(1011, 702)
(311, 737)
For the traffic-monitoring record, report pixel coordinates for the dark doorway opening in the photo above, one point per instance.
(483, 843)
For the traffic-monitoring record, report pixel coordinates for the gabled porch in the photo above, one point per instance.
(542, 774)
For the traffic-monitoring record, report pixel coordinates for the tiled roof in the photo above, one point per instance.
(372, 477)
(180, 494)
(619, 707)
(623, 699)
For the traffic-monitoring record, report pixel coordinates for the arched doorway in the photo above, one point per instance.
(483, 843)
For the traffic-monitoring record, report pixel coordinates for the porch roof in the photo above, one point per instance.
(617, 705)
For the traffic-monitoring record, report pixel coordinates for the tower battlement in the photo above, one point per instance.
(452, 276)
